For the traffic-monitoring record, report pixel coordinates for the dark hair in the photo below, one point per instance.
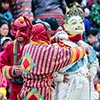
(53, 23)
(98, 73)
(5, 1)
(5, 41)
(92, 31)
(3, 22)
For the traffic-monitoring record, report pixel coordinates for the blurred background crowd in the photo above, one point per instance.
(33, 9)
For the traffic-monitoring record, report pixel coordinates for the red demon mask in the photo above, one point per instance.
(21, 27)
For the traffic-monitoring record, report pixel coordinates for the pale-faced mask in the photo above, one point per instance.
(74, 25)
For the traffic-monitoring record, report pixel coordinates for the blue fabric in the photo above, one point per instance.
(76, 66)
(87, 23)
(8, 16)
(91, 58)
(96, 46)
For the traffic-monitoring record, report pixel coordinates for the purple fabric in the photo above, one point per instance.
(41, 6)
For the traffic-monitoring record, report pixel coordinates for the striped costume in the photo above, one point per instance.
(47, 59)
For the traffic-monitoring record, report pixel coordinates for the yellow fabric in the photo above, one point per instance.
(67, 9)
(5, 72)
(73, 55)
(29, 95)
(3, 91)
(98, 87)
(81, 54)
(39, 42)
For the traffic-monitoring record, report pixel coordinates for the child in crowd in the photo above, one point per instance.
(92, 35)
(4, 6)
(5, 41)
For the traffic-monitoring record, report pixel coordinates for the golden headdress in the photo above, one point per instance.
(73, 11)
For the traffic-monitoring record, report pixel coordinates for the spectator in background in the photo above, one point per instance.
(90, 3)
(55, 27)
(92, 35)
(87, 22)
(21, 7)
(4, 42)
(4, 30)
(52, 8)
(4, 6)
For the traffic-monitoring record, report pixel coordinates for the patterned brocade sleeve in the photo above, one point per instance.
(8, 72)
(77, 54)
(48, 58)
(6, 62)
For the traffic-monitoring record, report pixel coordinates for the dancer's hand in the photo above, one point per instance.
(57, 77)
(66, 79)
(60, 77)
(18, 71)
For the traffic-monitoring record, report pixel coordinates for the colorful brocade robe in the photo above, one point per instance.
(78, 80)
(9, 58)
(47, 59)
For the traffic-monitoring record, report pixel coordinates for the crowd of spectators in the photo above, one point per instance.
(33, 9)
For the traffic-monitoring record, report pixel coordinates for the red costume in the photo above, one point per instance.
(12, 54)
